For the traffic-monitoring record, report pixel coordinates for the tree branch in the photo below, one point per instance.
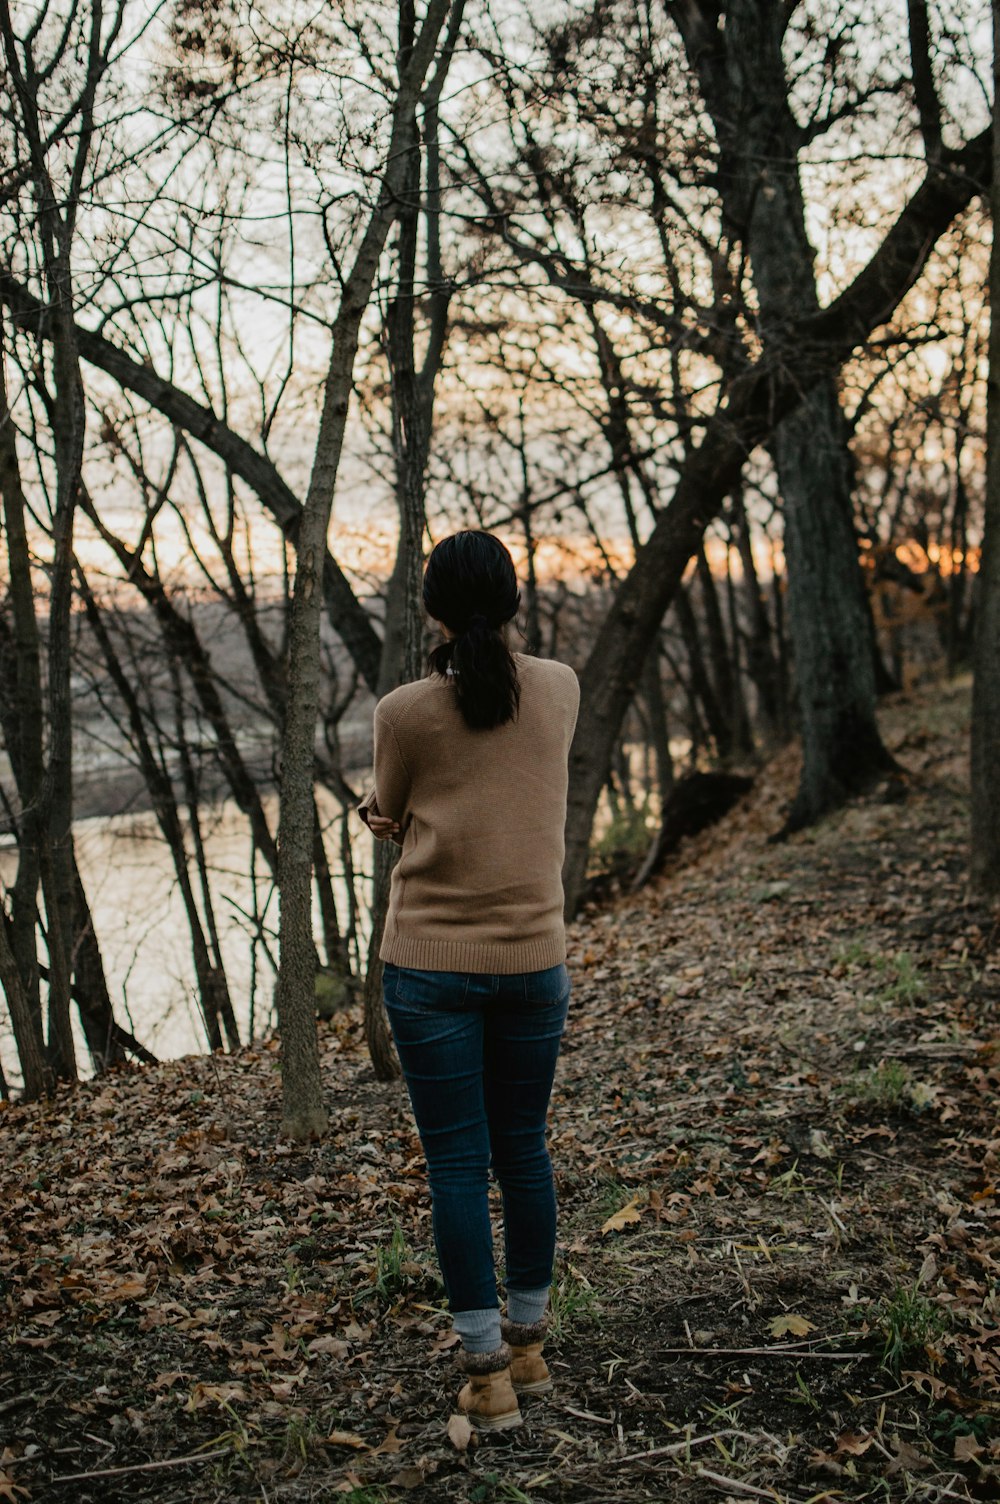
(348, 617)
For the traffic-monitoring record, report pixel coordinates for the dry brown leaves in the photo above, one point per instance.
(777, 1152)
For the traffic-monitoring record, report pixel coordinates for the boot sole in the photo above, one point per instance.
(541, 1386)
(496, 1422)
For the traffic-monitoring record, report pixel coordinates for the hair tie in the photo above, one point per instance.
(477, 619)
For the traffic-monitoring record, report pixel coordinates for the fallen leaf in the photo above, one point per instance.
(630, 1213)
(967, 1448)
(854, 1443)
(907, 1458)
(391, 1443)
(797, 1326)
(347, 1439)
(460, 1432)
(215, 1394)
(336, 1346)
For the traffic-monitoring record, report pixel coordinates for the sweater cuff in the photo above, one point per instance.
(368, 805)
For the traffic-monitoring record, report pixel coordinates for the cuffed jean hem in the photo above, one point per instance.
(479, 1330)
(525, 1307)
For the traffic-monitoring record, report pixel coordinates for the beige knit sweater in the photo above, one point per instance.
(482, 817)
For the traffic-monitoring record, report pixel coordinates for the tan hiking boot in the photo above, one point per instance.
(529, 1372)
(488, 1399)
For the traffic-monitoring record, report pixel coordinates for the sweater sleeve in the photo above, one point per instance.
(390, 791)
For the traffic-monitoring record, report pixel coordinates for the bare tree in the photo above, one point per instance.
(986, 662)
(303, 1112)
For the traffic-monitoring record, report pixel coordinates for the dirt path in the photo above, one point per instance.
(776, 1138)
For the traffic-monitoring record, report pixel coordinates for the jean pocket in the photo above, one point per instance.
(429, 991)
(549, 986)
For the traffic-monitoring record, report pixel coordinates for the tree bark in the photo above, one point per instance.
(985, 863)
(304, 1115)
(25, 1020)
(751, 406)
(413, 391)
(21, 712)
(746, 90)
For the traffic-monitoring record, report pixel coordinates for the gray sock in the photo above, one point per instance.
(479, 1330)
(525, 1307)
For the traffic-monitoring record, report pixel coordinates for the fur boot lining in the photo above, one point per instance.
(523, 1334)
(482, 1363)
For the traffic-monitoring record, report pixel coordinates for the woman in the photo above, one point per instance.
(470, 780)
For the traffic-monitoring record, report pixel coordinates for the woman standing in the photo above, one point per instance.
(470, 780)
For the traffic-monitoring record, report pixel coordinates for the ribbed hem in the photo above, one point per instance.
(479, 1329)
(502, 958)
(526, 1307)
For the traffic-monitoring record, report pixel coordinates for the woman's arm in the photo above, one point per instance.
(385, 807)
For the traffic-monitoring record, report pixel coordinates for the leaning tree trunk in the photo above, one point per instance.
(985, 871)
(754, 401)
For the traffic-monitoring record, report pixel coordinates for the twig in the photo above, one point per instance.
(676, 1447)
(143, 1467)
(602, 1420)
(19, 1399)
(733, 1484)
(757, 1352)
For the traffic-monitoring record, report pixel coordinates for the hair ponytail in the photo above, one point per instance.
(470, 585)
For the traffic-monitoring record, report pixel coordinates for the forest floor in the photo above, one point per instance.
(778, 1153)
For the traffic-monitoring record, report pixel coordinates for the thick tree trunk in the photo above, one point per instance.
(747, 92)
(753, 403)
(985, 864)
(413, 393)
(90, 989)
(702, 687)
(831, 636)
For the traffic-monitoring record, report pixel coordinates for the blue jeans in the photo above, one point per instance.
(479, 1053)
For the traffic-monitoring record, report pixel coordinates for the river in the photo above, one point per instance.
(143, 933)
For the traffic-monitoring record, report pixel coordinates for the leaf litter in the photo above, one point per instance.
(777, 1152)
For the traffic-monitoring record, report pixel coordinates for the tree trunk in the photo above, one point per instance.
(746, 90)
(763, 664)
(413, 393)
(702, 688)
(90, 990)
(25, 1020)
(752, 404)
(831, 637)
(21, 716)
(304, 1115)
(985, 865)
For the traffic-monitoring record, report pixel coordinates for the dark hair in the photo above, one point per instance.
(470, 586)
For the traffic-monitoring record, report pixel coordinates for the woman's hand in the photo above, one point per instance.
(382, 828)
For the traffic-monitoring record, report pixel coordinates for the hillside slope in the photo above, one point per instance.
(776, 1141)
